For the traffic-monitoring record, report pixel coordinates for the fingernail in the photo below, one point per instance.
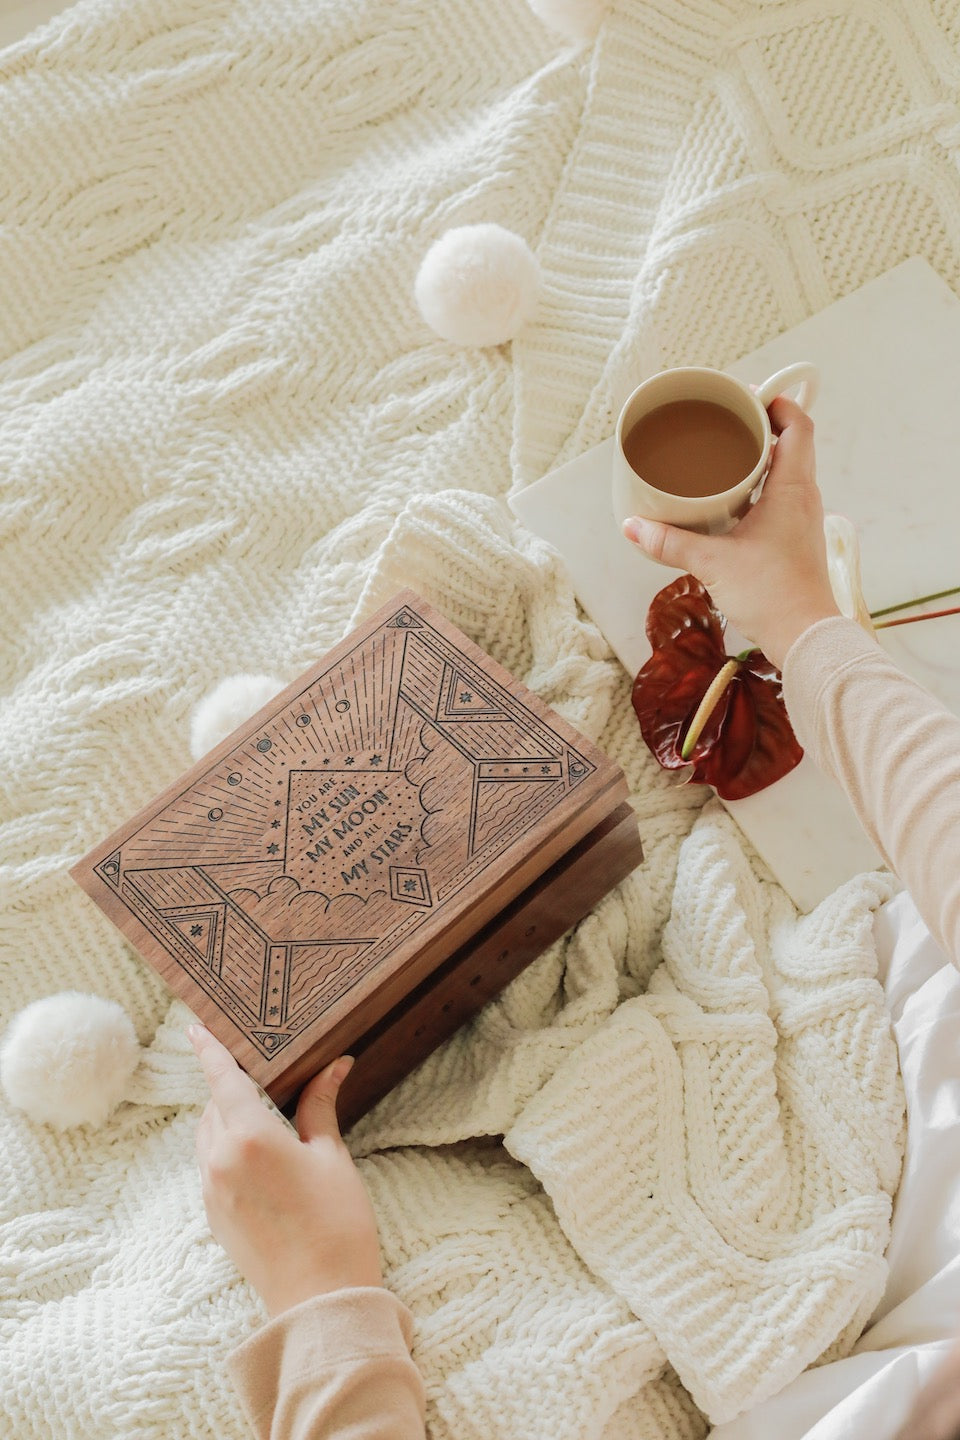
(634, 528)
(341, 1069)
(196, 1033)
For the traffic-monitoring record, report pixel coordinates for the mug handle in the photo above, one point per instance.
(803, 373)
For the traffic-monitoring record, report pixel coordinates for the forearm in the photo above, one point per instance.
(896, 752)
(336, 1365)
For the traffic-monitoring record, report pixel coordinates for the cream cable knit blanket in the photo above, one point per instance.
(225, 436)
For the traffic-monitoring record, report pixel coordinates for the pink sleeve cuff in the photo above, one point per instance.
(814, 662)
(328, 1361)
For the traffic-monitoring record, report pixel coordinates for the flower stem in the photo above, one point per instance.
(909, 604)
(913, 619)
(707, 705)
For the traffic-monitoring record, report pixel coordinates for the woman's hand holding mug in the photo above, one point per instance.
(767, 571)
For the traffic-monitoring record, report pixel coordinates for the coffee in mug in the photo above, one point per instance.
(691, 447)
(693, 444)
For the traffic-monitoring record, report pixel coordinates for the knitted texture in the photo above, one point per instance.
(226, 435)
(741, 1197)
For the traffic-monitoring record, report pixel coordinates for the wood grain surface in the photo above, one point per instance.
(301, 880)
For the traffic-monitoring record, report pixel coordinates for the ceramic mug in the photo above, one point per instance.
(710, 514)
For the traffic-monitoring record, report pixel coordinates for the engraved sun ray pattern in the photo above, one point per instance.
(337, 828)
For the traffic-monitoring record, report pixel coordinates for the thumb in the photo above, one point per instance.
(317, 1106)
(667, 544)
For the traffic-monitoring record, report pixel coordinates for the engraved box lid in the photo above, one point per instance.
(334, 849)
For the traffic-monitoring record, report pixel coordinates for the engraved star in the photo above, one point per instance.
(348, 760)
(375, 759)
(274, 824)
(276, 802)
(272, 849)
(196, 929)
(544, 769)
(274, 1009)
(465, 697)
(326, 759)
(525, 769)
(409, 884)
(274, 991)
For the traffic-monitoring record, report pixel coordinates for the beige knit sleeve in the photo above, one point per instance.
(336, 1365)
(896, 752)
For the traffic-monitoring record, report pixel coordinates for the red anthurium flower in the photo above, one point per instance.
(747, 741)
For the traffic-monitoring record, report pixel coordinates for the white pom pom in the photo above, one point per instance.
(580, 19)
(233, 701)
(478, 284)
(66, 1060)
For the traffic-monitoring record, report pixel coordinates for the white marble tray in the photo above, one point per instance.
(887, 452)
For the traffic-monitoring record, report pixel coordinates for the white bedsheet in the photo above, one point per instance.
(869, 1393)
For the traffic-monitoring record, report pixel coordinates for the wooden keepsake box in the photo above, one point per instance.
(369, 859)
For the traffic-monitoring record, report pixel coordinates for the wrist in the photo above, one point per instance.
(793, 625)
(283, 1296)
